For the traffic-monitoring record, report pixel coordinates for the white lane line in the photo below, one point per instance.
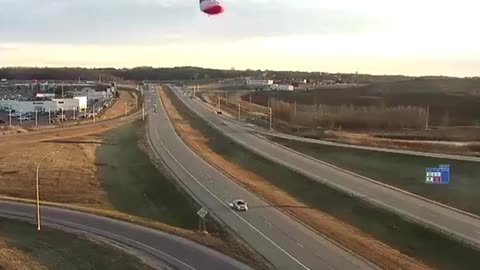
(219, 200)
(300, 245)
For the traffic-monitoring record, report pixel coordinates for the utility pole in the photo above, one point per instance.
(270, 120)
(10, 117)
(295, 110)
(250, 100)
(49, 117)
(20, 118)
(36, 118)
(143, 112)
(428, 116)
(239, 111)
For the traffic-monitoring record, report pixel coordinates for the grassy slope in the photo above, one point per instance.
(404, 171)
(410, 238)
(135, 186)
(58, 250)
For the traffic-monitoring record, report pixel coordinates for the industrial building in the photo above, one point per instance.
(76, 103)
(282, 87)
(258, 82)
(91, 94)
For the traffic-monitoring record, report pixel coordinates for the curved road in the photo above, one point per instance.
(161, 250)
(453, 222)
(283, 241)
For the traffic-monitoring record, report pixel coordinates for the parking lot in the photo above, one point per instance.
(42, 118)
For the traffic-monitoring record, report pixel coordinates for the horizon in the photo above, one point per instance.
(371, 37)
(230, 69)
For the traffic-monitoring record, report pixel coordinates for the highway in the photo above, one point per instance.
(379, 149)
(458, 224)
(158, 249)
(280, 239)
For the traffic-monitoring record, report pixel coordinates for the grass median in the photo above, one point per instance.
(346, 219)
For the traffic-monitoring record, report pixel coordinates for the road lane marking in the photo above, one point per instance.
(300, 245)
(219, 200)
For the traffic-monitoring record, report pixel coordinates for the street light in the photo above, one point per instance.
(270, 121)
(37, 186)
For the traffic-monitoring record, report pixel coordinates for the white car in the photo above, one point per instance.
(239, 205)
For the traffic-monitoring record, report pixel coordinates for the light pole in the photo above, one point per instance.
(239, 108)
(37, 187)
(270, 120)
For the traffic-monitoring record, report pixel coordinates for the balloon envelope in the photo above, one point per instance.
(211, 7)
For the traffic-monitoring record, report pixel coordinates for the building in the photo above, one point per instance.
(282, 87)
(66, 104)
(91, 94)
(258, 82)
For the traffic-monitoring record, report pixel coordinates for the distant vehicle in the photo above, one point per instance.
(23, 118)
(239, 205)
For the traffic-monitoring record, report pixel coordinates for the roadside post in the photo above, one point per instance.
(202, 213)
(143, 112)
(239, 111)
(270, 118)
(36, 117)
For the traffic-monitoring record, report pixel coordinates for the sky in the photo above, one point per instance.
(408, 37)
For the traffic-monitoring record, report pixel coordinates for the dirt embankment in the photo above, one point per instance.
(126, 103)
(345, 234)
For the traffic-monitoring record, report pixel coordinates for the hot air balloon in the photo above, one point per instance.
(211, 7)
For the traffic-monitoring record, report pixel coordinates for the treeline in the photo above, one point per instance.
(180, 73)
(349, 116)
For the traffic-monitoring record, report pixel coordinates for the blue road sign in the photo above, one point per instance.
(440, 175)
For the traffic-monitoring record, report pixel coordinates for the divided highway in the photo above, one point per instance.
(461, 225)
(161, 250)
(283, 241)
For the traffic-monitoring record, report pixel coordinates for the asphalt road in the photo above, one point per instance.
(455, 223)
(283, 241)
(161, 250)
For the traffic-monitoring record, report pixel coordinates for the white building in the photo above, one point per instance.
(258, 82)
(91, 94)
(45, 95)
(282, 87)
(67, 104)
